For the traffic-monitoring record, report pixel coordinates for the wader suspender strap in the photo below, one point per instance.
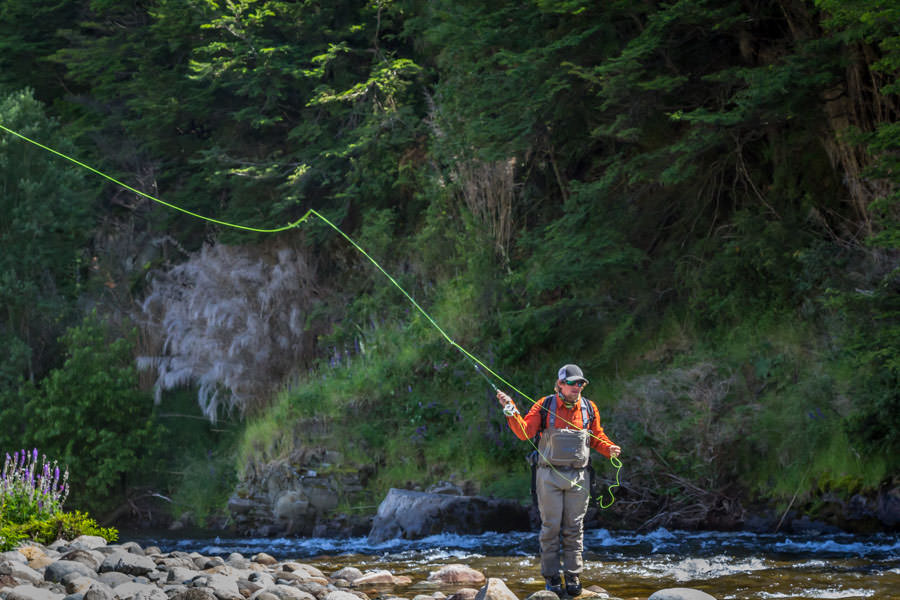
(587, 412)
(548, 410)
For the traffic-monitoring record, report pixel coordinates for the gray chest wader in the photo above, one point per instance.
(561, 448)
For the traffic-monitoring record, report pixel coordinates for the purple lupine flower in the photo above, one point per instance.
(34, 455)
(56, 474)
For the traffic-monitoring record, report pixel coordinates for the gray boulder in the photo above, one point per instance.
(181, 575)
(347, 574)
(311, 587)
(680, 594)
(89, 541)
(341, 595)
(285, 592)
(14, 556)
(209, 562)
(413, 515)
(457, 573)
(169, 562)
(79, 584)
(98, 591)
(238, 561)
(495, 589)
(224, 587)
(128, 563)
(29, 592)
(264, 559)
(132, 547)
(463, 594)
(263, 579)
(139, 591)
(296, 567)
(542, 595)
(85, 557)
(195, 594)
(58, 570)
(888, 506)
(114, 579)
(20, 571)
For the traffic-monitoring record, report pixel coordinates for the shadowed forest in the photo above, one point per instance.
(695, 201)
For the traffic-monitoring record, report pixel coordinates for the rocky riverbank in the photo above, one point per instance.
(299, 496)
(88, 568)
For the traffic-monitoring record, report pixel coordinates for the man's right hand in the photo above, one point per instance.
(504, 399)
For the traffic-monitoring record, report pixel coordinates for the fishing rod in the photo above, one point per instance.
(476, 362)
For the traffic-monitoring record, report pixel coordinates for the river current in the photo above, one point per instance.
(732, 565)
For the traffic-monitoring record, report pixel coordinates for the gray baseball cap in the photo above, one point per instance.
(572, 373)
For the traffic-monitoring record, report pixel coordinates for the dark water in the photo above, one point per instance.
(629, 565)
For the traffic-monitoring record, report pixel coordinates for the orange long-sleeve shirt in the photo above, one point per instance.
(528, 426)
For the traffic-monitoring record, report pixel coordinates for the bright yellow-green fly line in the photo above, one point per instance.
(478, 363)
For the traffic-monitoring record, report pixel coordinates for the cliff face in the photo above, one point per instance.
(300, 495)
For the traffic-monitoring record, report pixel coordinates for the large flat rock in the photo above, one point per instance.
(412, 515)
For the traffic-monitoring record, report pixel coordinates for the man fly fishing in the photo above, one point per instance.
(568, 426)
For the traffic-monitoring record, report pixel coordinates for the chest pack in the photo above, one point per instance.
(563, 446)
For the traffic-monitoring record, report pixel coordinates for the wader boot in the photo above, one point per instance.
(573, 585)
(554, 584)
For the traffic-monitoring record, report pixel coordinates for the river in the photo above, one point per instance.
(732, 565)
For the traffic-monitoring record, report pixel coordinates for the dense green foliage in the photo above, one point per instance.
(90, 414)
(694, 200)
(46, 227)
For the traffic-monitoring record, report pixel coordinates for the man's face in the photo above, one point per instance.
(570, 390)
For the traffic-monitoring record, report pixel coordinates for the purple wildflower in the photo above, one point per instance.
(34, 455)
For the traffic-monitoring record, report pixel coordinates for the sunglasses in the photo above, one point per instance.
(579, 383)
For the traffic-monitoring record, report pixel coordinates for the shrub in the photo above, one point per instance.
(63, 525)
(32, 494)
(29, 488)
